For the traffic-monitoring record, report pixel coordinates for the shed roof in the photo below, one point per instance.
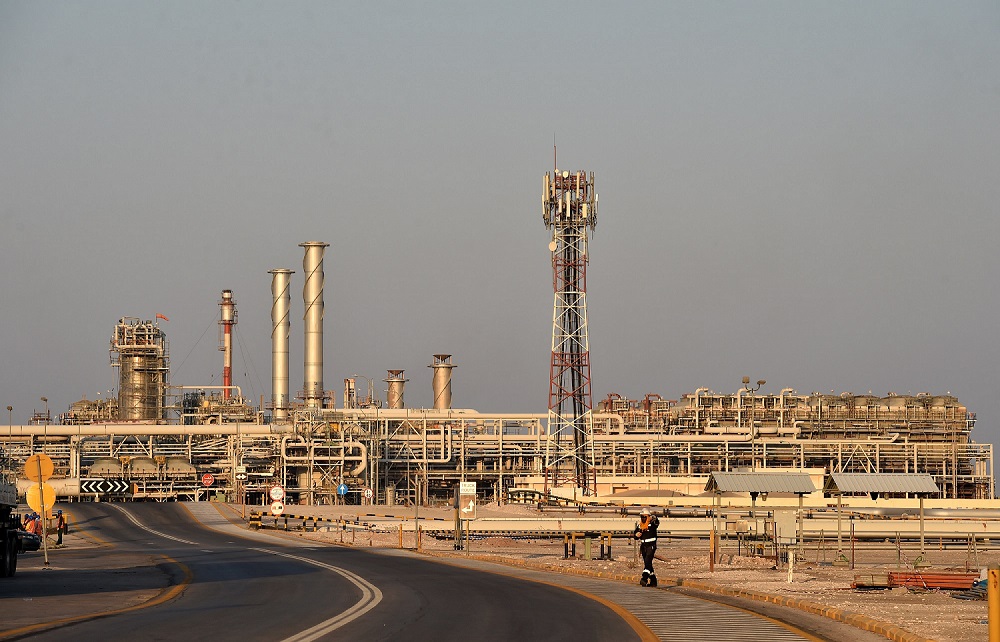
(913, 483)
(760, 482)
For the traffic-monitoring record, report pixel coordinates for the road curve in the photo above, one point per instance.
(291, 590)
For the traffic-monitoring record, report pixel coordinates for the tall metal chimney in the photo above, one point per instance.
(227, 319)
(442, 381)
(312, 298)
(280, 324)
(394, 394)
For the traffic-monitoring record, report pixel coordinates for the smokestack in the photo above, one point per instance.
(394, 394)
(312, 298)
(280, 324)
(442, 381)
(227, 320)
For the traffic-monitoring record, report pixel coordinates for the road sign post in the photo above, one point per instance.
(38, 468)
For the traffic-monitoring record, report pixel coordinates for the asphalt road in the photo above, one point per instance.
(212, 585)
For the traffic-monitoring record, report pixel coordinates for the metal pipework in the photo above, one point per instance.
(280, 325)
(312, 298)
(227, 319)
(394, 393)
(442, 381)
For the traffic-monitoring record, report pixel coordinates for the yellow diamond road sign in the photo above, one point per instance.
(38, 467)
(48, 494)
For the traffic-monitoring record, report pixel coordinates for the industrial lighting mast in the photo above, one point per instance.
(226, 322)
(569, 207)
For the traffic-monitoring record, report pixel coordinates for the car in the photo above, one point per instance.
(29, 541)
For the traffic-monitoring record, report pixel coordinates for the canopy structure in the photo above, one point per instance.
(875, 484)
(880, 484)
(761, 482)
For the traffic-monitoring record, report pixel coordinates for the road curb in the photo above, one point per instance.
(863, 622)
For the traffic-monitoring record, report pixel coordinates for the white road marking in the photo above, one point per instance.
(135, 521)
(370, 597)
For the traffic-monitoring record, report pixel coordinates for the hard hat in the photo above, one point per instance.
(645, 511)
(58, 512)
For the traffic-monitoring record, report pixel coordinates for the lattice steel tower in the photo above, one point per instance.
(569, 207)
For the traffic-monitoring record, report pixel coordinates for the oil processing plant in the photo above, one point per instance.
(159, 440)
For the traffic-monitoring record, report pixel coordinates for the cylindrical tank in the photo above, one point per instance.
(312, 327)
(394, 392)
(280, 323)
(442, 381)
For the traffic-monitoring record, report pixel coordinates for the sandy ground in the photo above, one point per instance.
(933, 614)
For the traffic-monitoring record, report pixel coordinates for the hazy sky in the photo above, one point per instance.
(799, 192)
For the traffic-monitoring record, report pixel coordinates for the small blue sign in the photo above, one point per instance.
(342, 490)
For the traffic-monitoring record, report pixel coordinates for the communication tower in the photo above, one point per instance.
(569, 208)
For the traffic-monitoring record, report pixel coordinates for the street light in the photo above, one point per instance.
(10, 434)
(45, 429)
(753, 428)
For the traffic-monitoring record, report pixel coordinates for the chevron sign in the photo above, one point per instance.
(105, 486)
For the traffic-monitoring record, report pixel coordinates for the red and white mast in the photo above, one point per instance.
(226, 322)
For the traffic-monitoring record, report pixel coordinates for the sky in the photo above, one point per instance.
(804, 193)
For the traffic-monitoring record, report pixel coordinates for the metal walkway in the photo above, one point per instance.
(670, 616)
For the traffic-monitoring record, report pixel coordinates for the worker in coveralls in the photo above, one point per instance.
(645, 532)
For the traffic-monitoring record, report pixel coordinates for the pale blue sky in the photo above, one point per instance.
(800, 192)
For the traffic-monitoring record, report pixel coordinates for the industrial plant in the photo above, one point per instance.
(162, 440)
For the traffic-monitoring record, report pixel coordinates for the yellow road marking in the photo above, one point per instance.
(165, 595)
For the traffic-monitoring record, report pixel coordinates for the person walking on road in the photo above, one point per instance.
(60, 527)
(645, 532)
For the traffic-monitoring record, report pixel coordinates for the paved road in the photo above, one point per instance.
(273, 589)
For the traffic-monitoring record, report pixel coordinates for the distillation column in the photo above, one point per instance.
(139, 350)
(569, 208)
(281, 304)
(227, 319)
(312, 327)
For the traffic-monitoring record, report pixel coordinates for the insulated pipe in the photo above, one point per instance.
(227, 319)
(394, 393)
(312, 298)
(442, 381)
(280, 324)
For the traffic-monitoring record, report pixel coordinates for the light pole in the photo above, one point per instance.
(10, 434)
(45, 429)
(753, 428)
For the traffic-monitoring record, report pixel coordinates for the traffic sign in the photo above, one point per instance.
(241, 476)
(38, 467)
(277, 493)
(467, 499)
(369, 494)
(277, 508)
(105, 486)
(342, 489)
(207, 479)
(39, 494)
